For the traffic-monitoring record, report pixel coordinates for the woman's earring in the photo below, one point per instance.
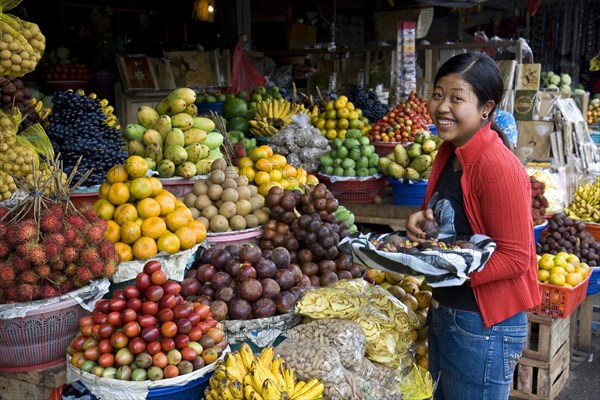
(484, 115)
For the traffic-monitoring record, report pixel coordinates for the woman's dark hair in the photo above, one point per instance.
(482, 73)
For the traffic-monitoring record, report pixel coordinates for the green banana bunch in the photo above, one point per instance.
(586, 203)
(241, 375)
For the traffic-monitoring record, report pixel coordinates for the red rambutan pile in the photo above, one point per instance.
(75, 220)
(82, 276)
(4, 249)
(19, 263)
(47, 291)
(2, 229)
(57, 209)
(53, 249)
(89, 255)
(28, 276)
(97, 269)
(7, 274)
(57, 237)
(110, 268)
(50, 222)
(70, 235)
(35, 253)
(3, 211)
(26, 230)
(107, 250)
(70, 254)
(42, 270)
(27, 292)
(95, 233)
(89, 213)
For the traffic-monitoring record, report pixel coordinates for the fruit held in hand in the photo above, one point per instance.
(430, 228)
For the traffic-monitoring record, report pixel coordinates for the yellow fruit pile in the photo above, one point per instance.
(143, 218)
(339, 116)
(267, 169)
(562, 269)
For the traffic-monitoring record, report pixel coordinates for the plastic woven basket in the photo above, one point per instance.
(354, 190)
(408, 194)
(560, 302)
(594, 229)
(40, 339)
(385, 148)
(81, 199)
(537, 231)
(594, 283)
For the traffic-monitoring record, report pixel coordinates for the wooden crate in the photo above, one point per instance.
(542, 380)
(32, 385)
(545, 336)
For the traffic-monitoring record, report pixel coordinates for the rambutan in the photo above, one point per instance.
(50, 223)
(56, 278)
(10, 294)
(11, 235)
(78, 242)
(28, 276)
(57, 237)
(26, 230)
(4, 249)
(20, 263)
(97, 269)
(95, 233)
(2, 228)
(70, 234)
(70, 269)
(43, 270)
(66, 287)
(89, 213)
(102, 224)
(89, 255)
(27, 292)
(110, 268)
(3, 211)
(107, 250)
(83, 274)
(47, 291)
(36, 253)
(58, 265)
(7, 274)
(75, 220)
(70, 254)
(53, 249)
(57, 209)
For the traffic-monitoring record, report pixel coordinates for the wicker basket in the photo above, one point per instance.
(355, 190)
(40, 339)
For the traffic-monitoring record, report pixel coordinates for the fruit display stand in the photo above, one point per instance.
(33, 385)
(543, 368)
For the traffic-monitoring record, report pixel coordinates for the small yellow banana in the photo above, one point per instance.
(251, 394)
(103, 103)
(247, 356)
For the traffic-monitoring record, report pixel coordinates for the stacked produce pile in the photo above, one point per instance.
(415, 294)
(225, 201)
(337, 117)
(539, 203)
(301, 144)
(22, 45)
(562, 269)
(566, 235)
(306, 225)
(550, 80)
(147, 331)
(79, 129)
(174, 141)
(368, 102)
(266, 376)
(401, 124)
(273, 115)
(143, 218)
(351, 157)
(593, 111)
(267, 169)
(414, 161)
(236, 112)
(13, 93)
(246, 282)
(64, 252)
(585, 205)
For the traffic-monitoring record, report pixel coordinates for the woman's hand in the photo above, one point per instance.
(412, 231)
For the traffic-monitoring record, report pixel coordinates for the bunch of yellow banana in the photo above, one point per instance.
(272, 115)
(243, 376)
(586, 203)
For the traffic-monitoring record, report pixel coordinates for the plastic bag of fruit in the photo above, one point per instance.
(443, 263)
(22, 43)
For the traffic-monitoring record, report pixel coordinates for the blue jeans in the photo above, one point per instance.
(472, 362)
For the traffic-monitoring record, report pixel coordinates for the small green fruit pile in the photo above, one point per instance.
(414, 161)
(352, 156)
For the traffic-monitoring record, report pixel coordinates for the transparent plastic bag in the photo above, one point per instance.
(22, 43)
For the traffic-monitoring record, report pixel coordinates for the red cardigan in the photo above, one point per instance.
(497, 201)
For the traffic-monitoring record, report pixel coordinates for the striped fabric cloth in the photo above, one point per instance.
(441, 268)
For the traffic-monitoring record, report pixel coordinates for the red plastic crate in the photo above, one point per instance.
(560, 302)
(594, 229)
(354, 190)
(82, 199)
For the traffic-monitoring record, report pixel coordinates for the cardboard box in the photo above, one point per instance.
(528, 76)
(533, 143)
(301, 35)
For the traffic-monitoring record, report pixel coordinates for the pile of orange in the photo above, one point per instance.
(562, 269)
(143, 218)
(267, 169)
(339, 116)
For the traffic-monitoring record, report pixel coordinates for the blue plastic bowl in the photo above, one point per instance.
(537, 231)
(432, 128)
(204, 109)
(408, 194)
(193, 390)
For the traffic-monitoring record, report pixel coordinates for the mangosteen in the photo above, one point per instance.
(310, 268)
(264, 308)
(285, 302)
(240, 309)
(207, 254)
(344, 275)
(281, 257)
(270, 288)
(207, 290)
(219, 258)
(265, 268)
(429, 227)
(250, 289)
(220, 279)
(250, 252)
(285, 278)
(298, 292)
(219, 310)
(233, 249)
(225, 293)
(245, 272)
(328, 277)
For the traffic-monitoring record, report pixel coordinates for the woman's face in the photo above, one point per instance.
(455, 110)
